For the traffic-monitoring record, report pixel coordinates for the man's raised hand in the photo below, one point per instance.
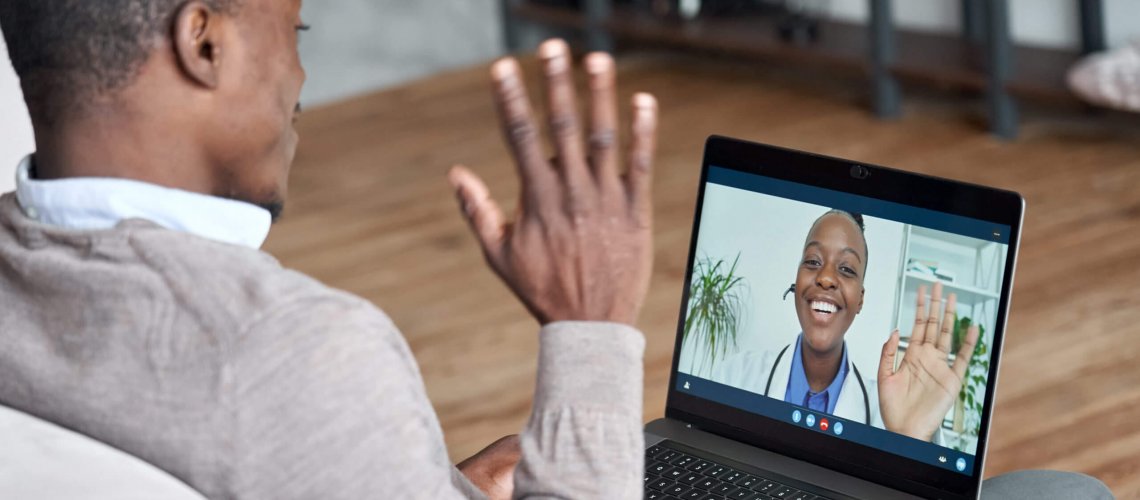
(580, 245)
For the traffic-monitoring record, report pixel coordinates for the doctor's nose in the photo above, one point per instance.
(826, 280)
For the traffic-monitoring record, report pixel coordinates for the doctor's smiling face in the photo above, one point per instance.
(829, 283)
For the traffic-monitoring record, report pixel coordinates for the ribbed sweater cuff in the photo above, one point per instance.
(590, 365)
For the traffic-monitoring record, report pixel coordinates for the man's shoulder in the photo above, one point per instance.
(243, 286)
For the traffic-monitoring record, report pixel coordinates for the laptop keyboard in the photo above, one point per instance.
(671, 474)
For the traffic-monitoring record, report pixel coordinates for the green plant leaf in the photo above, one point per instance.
(716, 305)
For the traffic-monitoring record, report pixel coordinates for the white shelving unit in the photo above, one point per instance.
(977, 268)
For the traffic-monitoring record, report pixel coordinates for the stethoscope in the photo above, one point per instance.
(858, 377)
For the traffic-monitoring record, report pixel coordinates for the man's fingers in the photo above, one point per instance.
(482, 213)
(966, 352)
(562, 109)
(919, 332)
(887, 359)
(519, 128)
(931, 335)
(603, 117)
(946, 332)
(641, 152)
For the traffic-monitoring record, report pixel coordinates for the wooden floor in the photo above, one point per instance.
(370, 212)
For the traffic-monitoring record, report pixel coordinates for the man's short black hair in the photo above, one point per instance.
(68, 51)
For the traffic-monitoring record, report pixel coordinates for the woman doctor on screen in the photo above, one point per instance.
(815, 372)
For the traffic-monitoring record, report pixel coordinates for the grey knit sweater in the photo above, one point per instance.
(250, 381)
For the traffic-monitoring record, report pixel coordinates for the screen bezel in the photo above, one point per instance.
(968, 200)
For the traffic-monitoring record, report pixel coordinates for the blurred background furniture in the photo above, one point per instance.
(982, 58)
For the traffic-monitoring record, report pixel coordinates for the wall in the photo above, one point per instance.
(15, 127)
(357, 46)
(1047, 23)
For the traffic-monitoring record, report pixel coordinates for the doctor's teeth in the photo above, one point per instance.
(821, 306)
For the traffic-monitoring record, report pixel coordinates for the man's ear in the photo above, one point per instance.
(197, 43)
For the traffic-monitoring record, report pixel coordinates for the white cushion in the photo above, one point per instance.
(44, 461)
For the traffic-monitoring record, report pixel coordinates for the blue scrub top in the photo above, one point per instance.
(799, 391)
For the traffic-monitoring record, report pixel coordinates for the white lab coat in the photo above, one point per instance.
(750, 370)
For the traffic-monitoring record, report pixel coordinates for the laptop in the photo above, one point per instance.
(788, 379)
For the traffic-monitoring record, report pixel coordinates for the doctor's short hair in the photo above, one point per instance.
(857, 218)
(67, 52)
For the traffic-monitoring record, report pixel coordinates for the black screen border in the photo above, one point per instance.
(943, 195)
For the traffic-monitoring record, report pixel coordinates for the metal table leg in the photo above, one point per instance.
(973, 21)
(597, 38)
(887, 95)
(1092, 26)
(511, 29)
(1002, 107)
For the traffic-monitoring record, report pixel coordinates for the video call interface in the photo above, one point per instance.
(862, 319)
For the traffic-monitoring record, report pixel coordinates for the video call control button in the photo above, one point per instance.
(810, 420)
(838, 428)
(824, 424)
(961, 464)
(797, 416)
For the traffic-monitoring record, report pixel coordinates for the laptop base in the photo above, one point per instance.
(843, 485)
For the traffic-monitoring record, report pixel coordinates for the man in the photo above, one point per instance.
(139, 311)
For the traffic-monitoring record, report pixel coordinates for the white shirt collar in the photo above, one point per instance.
(95, 203)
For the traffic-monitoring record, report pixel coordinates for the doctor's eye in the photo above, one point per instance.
(848, 270)
(812, 262)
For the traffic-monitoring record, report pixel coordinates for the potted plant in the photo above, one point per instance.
(968, 408)
(716, 309)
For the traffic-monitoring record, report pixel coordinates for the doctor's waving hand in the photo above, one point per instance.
(915, 398)
(815, 372)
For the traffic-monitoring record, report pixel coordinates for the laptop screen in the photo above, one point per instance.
(795, 297)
